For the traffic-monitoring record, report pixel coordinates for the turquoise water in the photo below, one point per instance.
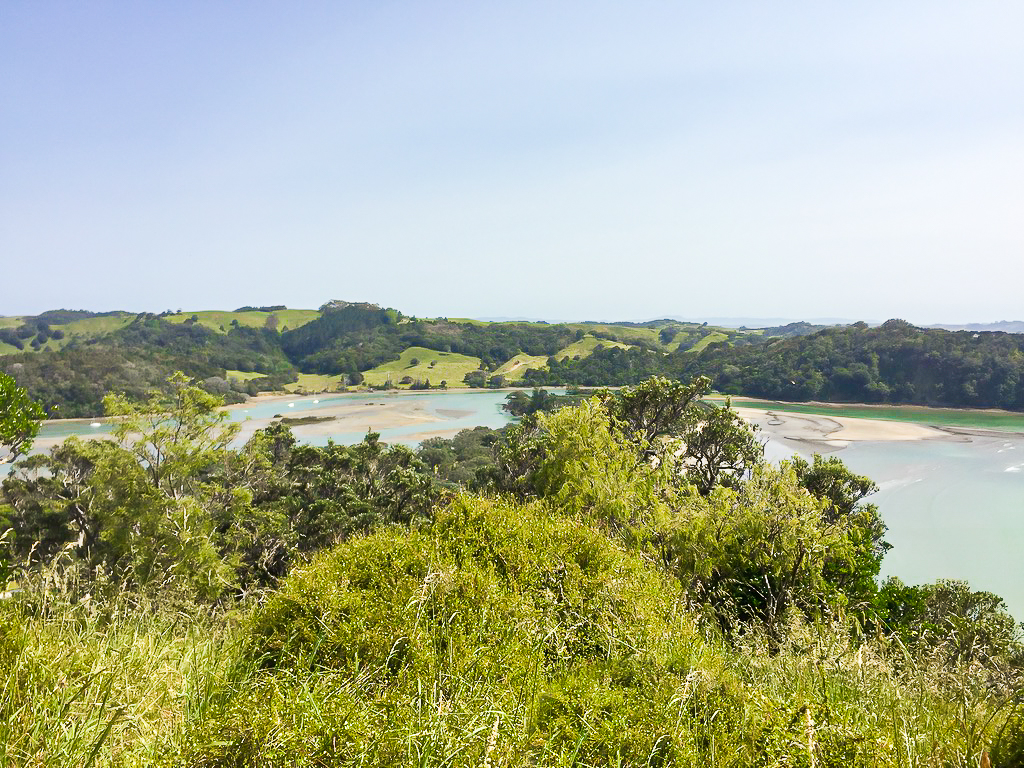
(484, 409)
(955, 510)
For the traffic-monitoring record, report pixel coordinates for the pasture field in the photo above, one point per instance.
(447, 366)
(96, 326)
(625, 333)
(315, 383)
(243, 375)
(7, 349)
(518, 365)
(11, 322)
(711, 338)
(586, 346)
(220, 321)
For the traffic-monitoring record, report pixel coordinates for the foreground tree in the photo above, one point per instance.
(19, 420)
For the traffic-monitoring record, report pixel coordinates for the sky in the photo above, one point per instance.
(570, 160)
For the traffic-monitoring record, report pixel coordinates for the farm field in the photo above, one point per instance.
(315, 383)
(220, 321)
(243, 375)
(518, 365)
(447, 366)
(711, 338)
(586, 346)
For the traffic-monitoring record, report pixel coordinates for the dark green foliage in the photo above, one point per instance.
(464, 460)
(963, 625)
(19, 419)
(520, 404)
(842, 492)
(894, 363)
(72, 382)
(338, 490)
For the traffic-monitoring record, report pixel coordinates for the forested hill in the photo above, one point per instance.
(69, 360)
(893, 363)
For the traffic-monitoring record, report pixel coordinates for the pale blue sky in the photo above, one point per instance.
(562, 160)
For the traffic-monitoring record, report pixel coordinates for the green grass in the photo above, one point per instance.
(711, 338)
(314, 383)
(106, 688)
(11, 322)
(448, 366)
(518, 365)
(85, 328)
(220, 321)
(625, 333)
(7, 349)
(243, 375)
(586, 346)
(917, 414)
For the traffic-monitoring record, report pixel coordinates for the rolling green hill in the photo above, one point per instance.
(586, 346)
(420, 364)
(514, 369)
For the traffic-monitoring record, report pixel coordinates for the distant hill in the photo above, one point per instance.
(69, 359)
(1006, 326)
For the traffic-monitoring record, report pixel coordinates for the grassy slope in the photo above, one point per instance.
(243, 375)
(711, 338)
(11, 322)
(448, 366)
(586, 346)
(626, 333)
(314, 383)
(520, 364)
(219, 321)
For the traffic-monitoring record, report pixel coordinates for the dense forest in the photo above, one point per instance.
(619, 579)
(893, 363)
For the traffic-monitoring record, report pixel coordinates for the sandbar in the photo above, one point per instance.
(836, 432)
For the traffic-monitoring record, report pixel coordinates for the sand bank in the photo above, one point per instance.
(836, 432)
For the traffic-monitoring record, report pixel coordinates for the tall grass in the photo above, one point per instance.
(498, 635)
(105, 685)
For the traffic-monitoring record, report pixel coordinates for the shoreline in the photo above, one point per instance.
(834, 433)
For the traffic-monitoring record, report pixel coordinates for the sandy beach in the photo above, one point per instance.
(836, 432)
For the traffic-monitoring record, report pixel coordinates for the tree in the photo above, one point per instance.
(754, 553)
(718, 448)
(655, 408)
(859, 523)
(177, 438)
(965, 625)
(19, 420)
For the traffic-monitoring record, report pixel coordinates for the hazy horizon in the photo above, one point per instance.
(588, 161)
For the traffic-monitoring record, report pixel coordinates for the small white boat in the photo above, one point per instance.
(291, 405)
(95, 424)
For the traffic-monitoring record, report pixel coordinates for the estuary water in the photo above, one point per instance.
(955, 508)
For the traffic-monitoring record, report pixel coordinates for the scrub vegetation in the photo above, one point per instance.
(620, 579)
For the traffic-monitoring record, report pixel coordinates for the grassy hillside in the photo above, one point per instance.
(586, 346)
(431, 364)
(220, 321)
(315, 383)
(709, 339)
(518, 365)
